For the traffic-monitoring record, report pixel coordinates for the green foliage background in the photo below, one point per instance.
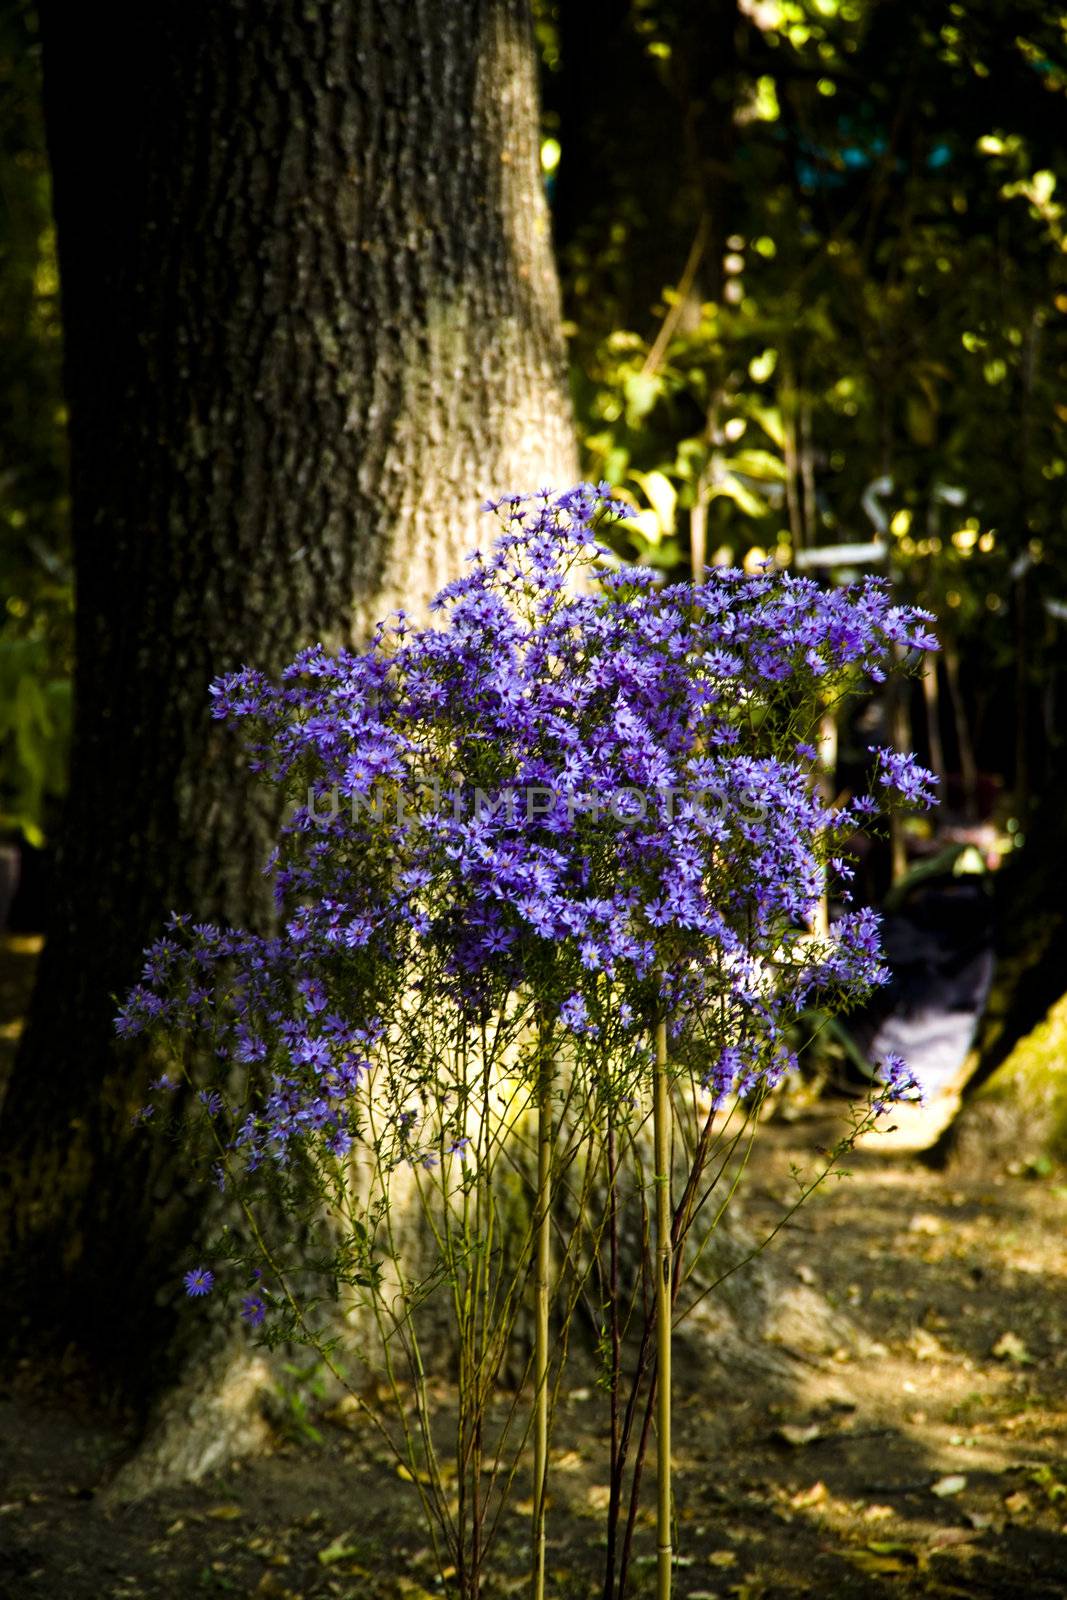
(36, 591)
(854, 216)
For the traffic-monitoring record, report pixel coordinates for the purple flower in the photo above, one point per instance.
(574, 1014)
(902, 773)
(897, 1083)
(199, 1281)
(253, 1309)
(592, 796)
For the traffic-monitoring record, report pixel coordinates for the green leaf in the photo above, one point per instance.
(668, 554)
(641, 393)
(770, 420)
(32, 729)
(732, 488)
(761, 367)
(662, 496)
(760, 464)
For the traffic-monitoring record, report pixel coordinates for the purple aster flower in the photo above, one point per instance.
(897, 1083)
(603, 783)
(253, 1310)
(199, 1281)
(574, 1014)
(901, 772)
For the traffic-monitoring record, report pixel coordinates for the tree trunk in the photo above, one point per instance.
(311, 322)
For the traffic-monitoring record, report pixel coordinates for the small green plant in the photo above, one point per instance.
(1050, 1482)
(302, 1399)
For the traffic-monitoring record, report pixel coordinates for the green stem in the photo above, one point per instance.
(615, 1490)
(544, 1240)
(664, 1284)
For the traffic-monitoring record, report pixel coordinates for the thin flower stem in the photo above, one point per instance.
(615, 1489)
(805, 1191)
(402, 1324)
(664, 1299)
(635, 1483)
(641, 1366)
(544, 1244)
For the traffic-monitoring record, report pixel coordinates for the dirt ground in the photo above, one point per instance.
(929, 1461)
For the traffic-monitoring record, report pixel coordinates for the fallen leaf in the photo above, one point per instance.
(798, 1433)
(722, 1558)
(980, 1520)
(926, 1346)
(1017, 1503)
(953, 1484)
(876, 1565)
(1009, 1347)
(339, 1549)
(408, 1589)
(271, 1585)
(346, 1412)
(227, 1513)
(809, 1497)
(878, 1513)
(946, 1538)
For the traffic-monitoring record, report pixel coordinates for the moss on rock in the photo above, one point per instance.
(1019, 1113)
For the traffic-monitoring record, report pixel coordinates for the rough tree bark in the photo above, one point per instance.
(311, 321)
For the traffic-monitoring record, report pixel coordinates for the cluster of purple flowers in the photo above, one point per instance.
(896, 1082)
(551, 671)
(244, 993)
